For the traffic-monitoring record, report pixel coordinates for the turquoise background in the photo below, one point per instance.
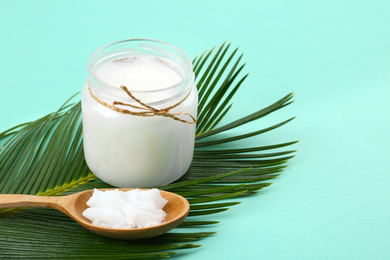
(332, 202)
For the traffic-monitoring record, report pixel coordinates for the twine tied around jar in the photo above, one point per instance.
(148, 110)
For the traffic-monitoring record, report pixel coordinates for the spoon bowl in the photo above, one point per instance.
(177, 209)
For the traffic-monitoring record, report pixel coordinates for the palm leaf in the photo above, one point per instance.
(45, 157)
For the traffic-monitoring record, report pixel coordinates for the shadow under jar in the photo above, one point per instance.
(147, 149)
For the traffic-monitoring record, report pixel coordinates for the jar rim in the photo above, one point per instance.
(185, 58)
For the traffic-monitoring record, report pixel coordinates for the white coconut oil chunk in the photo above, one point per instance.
(140, 72)
(131, 209)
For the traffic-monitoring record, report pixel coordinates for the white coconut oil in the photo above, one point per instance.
(128, 150)
(131, 209)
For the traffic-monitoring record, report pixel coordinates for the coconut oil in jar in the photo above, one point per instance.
(153, 143)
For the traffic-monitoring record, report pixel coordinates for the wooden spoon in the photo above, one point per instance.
(177, 209)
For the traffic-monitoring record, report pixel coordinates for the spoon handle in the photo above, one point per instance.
(22, 200)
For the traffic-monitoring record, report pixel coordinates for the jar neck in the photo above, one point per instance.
(167, 54)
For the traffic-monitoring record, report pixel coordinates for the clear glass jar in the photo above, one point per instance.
(128, 150)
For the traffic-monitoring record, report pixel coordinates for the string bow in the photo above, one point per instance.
(146, 109)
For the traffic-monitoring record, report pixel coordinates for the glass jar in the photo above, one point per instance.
(133, 150)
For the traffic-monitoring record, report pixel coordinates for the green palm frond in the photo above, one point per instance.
(45, 157)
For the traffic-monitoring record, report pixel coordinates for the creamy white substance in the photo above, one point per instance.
(138, 73)
(135, 151)
(131, 209)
